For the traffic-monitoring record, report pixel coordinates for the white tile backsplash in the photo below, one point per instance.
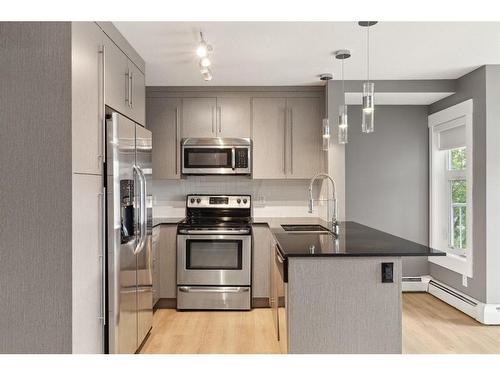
(271, 198)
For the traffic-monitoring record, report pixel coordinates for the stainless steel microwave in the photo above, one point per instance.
(216, 156)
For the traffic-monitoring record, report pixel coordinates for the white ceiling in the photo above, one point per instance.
(294, 53)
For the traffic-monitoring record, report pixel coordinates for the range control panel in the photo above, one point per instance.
(218, 201)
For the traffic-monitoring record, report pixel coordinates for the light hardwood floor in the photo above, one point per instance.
(429, 326)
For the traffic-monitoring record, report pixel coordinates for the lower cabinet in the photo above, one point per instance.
(261, 271)
(167, 260)
(156, 264)
(87, 333)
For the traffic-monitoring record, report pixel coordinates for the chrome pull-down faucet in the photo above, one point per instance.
(332, 223)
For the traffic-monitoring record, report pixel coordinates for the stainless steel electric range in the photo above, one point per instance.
(214, 253)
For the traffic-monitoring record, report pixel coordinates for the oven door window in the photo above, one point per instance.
(207, 158)
(214, 254)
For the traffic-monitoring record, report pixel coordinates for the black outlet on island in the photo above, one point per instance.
(387, 272)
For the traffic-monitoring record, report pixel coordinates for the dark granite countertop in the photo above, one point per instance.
(353, 240)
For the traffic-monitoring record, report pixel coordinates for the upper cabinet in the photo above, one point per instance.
(285, 128)
(116, 77)
(137, 96)
(124, 84)
(207, 117)
(163, 119)
(87, 106)
(198, 117)
(269, 137)
(286, 134)
(305, 155)
(233, 117)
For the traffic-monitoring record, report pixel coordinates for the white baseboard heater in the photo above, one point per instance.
(483, 313)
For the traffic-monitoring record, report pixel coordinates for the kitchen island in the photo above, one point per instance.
(340, 294)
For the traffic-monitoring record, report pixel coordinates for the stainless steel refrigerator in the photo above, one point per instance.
(129, 234)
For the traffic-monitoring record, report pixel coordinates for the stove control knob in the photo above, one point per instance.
(198, 200)
(238, 200)
(192, 200)
(244, 201)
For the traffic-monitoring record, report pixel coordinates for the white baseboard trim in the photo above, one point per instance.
(416, 284)
(488, 314)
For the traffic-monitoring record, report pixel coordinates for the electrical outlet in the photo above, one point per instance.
(259, 201)
(464, 280)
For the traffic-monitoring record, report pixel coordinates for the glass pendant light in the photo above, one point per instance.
(342, 121)
(368, 113)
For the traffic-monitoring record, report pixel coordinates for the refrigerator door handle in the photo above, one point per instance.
(142, 211)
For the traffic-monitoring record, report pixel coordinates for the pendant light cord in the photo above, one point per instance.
(343, 86)
(368, 53)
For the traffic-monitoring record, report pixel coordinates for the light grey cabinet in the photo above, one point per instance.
(261, 274)
(87, 308)
(163, 119)
(168, 256)
(269, 138)
(199, 117)
(137, 101)
(87, 107)
(156, 264)
(233, 117)
(125, 89)
(287, 139)
(224, 116)
(117, 81)
(305, 157)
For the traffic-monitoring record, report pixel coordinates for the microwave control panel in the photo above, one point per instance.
(241, 156)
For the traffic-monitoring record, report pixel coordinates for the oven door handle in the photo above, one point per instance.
(226, 289)
(233, 159)
(194, 231)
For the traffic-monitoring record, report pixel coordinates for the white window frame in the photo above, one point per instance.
(452, 175)
(457, 115)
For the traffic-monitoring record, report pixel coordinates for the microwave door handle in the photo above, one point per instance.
(233, 158)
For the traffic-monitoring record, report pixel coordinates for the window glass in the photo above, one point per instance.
(458, 232)
(456, 158)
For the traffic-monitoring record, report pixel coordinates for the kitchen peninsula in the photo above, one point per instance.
(339, 294)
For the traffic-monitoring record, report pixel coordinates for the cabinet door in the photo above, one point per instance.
(156, 264)
(137, 95)
(199, 117)
(233, 117)
(87, 267)
(304, 128)
(269, 137)
(116, 79)
(87, 102)
(261, 277)
(274, 287)
(168, 256)
(163, 120)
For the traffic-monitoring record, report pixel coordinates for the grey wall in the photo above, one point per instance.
(387, 175)
(492, 183)
(35, 188)
(472, 86)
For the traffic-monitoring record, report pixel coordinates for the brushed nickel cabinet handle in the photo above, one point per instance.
(131, 96)
(213, 111)
(291, 140)
(220, 119)
(127, 88)
(176, 140)
(102, 108)
(102, 256)
(284, 142)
